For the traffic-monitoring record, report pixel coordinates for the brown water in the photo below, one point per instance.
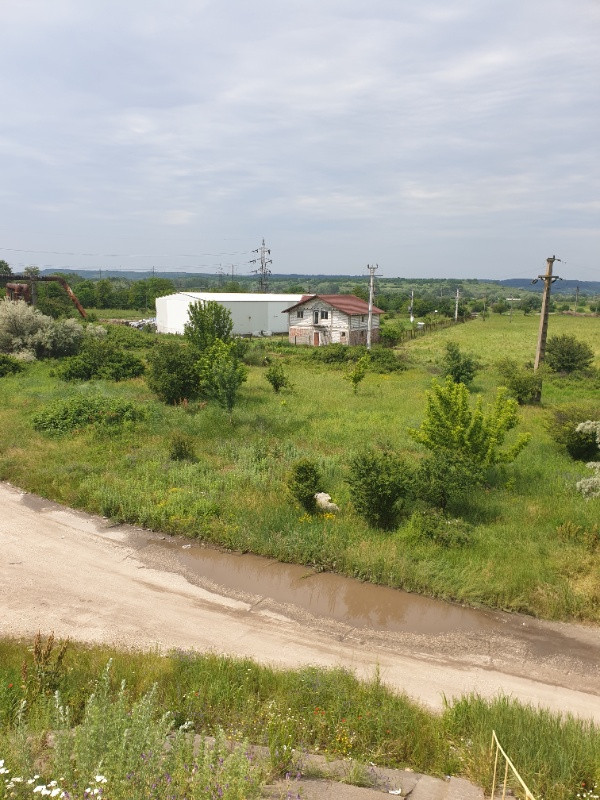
(324, 594)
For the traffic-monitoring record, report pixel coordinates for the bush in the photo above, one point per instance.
(384, 361)
(277, 378)
(331, 353)
(208, 322)
(9, 365)
(19, 322)
(435, 527)
(523, 383)
(458, 366)
(304, 481)
(58, 339)
(562, 427)
(182, 448)
(566, 353)
(221, 375)
(445, 479)
(101, 358)
(172, 374)
(380, 481)
(83, 410)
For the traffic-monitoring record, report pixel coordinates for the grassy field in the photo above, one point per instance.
(532, 546)
(307, 710)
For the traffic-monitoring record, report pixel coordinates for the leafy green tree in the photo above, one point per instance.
(277, 377)
(101, 358)
(475, 436)
(360, 291)
(209, 321)
(221, 374)
(32, 271)
(522, 382)
(5, 267)
(380, 481)
(566, 353)
(143, 294)
(460, 367)
(172, 373)
(357, 373)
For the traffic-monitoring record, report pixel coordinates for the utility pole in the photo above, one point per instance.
(484, 303)
(371, 268)
(510, 300)
(412, 306)
(548, 279)
(262, 270)
(576, 298)
(456, 305)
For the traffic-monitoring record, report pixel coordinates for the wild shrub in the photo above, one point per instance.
(182, 448)
(172, 373)
(331, 353)
(380, 481)
(277, 377)
(130, 338)
(82, 410)
(435, 527)
(100, 358)
(304, 481)
(256, 353)
(475, 436)
(58, 339)
(221, 375)
(445, 479)
(460, 367)
(19, 322)
(357, 373)
(384, 361)
(562, 427)
(566, 353)
(9, 365)
(522, 382)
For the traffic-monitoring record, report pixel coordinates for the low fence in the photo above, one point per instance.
(510, 772)
(424, 328)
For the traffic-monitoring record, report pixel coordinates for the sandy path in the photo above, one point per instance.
(85, 579)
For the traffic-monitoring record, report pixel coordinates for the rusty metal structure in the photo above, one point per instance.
(22, 287)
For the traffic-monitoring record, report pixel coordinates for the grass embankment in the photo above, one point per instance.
(532, 547)
(309, 710)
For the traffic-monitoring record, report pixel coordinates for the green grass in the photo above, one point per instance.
(234, 493)
(310, 710)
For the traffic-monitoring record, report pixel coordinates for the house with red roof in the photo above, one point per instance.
(320, 319)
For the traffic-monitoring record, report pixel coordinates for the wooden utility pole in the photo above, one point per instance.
(371, 268)
(456, 305)
(548, 279)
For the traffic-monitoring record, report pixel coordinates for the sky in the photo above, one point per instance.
(433, 138)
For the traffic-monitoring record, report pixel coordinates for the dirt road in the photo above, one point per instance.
(89, 580)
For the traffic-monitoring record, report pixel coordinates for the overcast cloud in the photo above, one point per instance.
(434, 138)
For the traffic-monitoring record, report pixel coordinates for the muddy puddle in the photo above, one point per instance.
(323, 594)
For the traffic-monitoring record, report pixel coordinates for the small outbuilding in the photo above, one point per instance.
(251, 314)
(320, 319)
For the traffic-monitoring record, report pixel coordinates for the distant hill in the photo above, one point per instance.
(561, 287)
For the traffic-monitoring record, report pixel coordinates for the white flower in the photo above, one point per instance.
(100, 779)
(55, 791)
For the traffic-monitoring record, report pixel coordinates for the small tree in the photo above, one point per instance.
(357, 373)
(445, 479)
(208, 321)
(304, 481)
(566, 353)
(5, 267)
(461, 367)
(100, 358)
(277, 377)
(565, 428)
(380, 481)
(451, 424)
(221, 374)
(172, 373)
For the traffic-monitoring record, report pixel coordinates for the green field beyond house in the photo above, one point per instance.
(533, 542)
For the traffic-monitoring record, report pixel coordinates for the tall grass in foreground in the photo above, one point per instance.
(306, 710)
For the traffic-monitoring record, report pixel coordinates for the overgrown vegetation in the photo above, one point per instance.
(101, 358)
(83, 410)
(303, 710)
(566, 353)
(235, 490)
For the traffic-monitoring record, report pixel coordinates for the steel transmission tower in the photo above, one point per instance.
(262, 270)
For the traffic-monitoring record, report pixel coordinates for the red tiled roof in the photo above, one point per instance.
(348, 303)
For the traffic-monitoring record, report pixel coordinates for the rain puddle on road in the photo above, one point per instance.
(324, 594)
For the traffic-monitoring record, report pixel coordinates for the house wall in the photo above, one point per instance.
(339, 327)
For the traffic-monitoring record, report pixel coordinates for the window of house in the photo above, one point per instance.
(299, 314)
(324, 314)
(363, 318)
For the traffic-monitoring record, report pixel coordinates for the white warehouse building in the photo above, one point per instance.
(252, 314)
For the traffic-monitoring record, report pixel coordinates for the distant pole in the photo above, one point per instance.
(548, 279)
(412, 306)
(263, 271)
(371, 268)
(456, 306)
(484, 302)
(576, 297)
